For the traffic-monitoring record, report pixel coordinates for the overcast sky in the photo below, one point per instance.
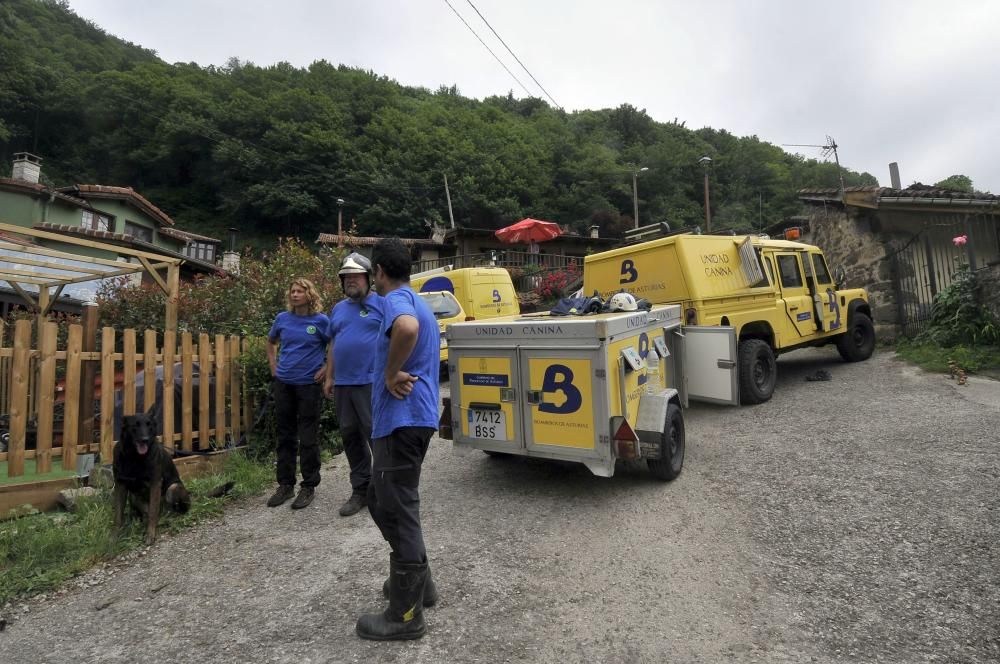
(890, 80)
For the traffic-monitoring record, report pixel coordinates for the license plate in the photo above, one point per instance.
(488, 424)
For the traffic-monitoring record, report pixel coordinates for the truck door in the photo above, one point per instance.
(708, 365)
(795, 293)
(559, 411)
(825, 297)
(487, 394)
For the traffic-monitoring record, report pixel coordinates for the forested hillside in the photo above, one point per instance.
(270, 149)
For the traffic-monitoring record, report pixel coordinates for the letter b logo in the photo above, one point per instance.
(629, 273)
(559, 378)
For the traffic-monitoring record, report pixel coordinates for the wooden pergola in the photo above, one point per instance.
(42, 268)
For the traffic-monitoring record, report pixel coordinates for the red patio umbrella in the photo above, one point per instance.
(529, 230)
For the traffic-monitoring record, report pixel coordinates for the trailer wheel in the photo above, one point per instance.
(758, 371)
(671, 460)
(858, 342)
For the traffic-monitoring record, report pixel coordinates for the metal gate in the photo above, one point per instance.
(925, 264)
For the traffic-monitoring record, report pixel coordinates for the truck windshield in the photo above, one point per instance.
(443, 304)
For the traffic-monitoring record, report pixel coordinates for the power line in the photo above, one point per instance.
(526, 91)
(514, 56)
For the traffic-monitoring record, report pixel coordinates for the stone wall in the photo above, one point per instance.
(850, 242)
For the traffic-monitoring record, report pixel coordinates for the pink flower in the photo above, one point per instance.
(960, 240)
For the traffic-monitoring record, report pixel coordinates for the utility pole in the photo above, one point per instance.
(706, 162)
(447, 194)
(635, 195)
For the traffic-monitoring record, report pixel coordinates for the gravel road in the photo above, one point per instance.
(854, 520)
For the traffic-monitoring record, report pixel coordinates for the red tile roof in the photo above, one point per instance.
(362, 241)
(185, 236)
(122, 193)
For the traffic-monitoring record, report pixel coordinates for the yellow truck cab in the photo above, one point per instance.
(447, 310)
(760, 297)
(483, 292)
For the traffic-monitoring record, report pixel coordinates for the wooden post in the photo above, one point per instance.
(220, 390)
(148, 370)
(169, 349)
(107, 394)
(71, 410)
(204, 389)
(187, 353)
(46, 396)
(248, 413)
(128, 362)
(19, 398)
(88, 375)
(235, 400)
(173, 286)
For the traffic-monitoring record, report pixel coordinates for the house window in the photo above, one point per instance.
(96, 221)
(204, 251)
(139, 232)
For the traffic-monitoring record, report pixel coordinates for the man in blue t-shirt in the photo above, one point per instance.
(355, 322)
(405, 416)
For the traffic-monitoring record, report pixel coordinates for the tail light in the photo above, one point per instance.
(625, 440)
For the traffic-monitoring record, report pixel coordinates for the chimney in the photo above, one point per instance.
(27, 167)
(894, 175)
(595, 231)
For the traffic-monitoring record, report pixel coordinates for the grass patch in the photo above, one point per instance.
(38, 552)
(983, 360)
(31, 473)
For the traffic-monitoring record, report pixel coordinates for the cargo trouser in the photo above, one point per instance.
(394, 496)
(354, 415)
(296, 408)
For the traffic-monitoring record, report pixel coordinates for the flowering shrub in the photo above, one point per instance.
(553, 285)
(960, 240)
(244, 304)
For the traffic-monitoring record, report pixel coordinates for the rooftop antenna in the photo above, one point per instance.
(828, 148)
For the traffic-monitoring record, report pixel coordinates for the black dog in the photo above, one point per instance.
(145, 474)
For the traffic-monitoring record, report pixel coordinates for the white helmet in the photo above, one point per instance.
(622, 302)
(355, 263)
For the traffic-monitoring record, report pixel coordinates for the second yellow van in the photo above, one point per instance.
(483, 292)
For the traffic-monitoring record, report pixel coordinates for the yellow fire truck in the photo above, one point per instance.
(772, 296)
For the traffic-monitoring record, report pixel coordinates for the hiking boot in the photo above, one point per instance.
(284, 492)
(304, 498)
(353, 504)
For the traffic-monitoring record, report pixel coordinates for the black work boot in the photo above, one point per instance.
(353, 504)
(430, 590)
(284, 492)
(404, 619)
(304, 498)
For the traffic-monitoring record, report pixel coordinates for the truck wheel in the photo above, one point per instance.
(858, 343)
(671, 460)
(758, 371)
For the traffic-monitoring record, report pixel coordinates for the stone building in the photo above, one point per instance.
(901, 245)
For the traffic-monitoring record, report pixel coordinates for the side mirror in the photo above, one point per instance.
(839, 277)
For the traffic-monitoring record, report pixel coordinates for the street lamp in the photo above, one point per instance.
(340, 222)
(635, 194)
(706, 163)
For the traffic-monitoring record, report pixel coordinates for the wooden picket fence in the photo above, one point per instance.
(32, 389)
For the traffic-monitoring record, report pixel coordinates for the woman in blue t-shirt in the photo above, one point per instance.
(302, 333)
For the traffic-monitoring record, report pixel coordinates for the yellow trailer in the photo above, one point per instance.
(591, 389)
